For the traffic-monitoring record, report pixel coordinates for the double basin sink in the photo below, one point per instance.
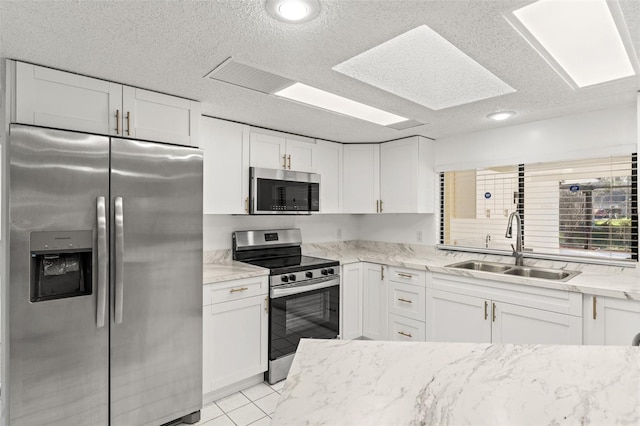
(557, 275)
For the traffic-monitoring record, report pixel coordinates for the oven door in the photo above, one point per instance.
(303, 311)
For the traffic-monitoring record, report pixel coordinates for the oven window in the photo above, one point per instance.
(284, 195)
(312, 314)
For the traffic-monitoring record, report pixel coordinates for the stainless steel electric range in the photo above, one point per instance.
(304, 292)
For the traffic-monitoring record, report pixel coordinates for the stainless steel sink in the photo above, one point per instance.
(478, 265)
(520, 271)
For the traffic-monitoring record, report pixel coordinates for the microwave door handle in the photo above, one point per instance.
(119, 259)
(103, 261)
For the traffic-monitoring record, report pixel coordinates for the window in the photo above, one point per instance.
(585, 208)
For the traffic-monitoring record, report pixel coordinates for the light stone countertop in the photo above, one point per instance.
(612, 281)
(409, 383)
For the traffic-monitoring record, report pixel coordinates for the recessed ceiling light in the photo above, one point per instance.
(423, 67)
(586, 42)
(293, 11)
(501, 115)
(319, 98)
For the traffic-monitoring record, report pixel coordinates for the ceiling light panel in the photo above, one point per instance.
(422, 66)
(319, 98)
(580, 39)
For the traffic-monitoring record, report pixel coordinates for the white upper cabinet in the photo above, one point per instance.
(158, 117)
(406, 176)
(226, 166)
(53, 98)
(361, 178)
(328, 163)
(272, 150)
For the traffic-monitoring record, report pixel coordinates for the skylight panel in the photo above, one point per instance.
(423, 67)
(581, 40)
(319, 98)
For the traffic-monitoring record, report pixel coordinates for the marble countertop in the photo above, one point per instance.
(333, 382)
(227, 270)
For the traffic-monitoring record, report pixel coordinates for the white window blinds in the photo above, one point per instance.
(585, 208)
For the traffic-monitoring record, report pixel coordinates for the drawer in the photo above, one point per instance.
(405, 329)
(406, 275)
(407, 300)
(234, 290)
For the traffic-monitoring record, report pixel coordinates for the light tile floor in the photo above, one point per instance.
(252, 406)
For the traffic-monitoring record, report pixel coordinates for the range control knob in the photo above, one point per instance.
(284, 278)
(309, 274)
(324, 272)
(292, 277)
(331, 272)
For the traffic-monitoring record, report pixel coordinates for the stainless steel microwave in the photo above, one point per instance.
(275, 191)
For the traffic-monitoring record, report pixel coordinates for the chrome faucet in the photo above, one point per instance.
(517, 250)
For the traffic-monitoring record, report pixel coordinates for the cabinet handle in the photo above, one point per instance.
(246, 204)
(404, 334)
(117, 122)
(266, 305)
(405, 300)
(380, 206)
(284, 161)
(128, 123)
(377, 206)
(382, 273)
(595, 315)
(493, 312)
(233, 290)
(289, 158)
(400, 274)
(486, 314)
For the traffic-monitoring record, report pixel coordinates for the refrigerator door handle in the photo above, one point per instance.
(103, 261)
(119, 259)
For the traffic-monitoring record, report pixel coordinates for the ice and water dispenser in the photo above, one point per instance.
(60, 264)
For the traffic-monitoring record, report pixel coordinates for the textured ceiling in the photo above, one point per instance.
(169, 46)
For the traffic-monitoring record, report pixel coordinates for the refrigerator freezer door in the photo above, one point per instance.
(58, 354)
(156, 308)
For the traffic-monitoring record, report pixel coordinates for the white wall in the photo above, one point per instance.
(601, 133)
(398, 228)
(315, 228)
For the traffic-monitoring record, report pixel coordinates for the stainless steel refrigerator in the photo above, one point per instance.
(105, 280)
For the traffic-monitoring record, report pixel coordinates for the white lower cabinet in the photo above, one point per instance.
(406, 329)
(610, 321)
(351, 301)
(235, 331)
(488, 317)
(375, 313)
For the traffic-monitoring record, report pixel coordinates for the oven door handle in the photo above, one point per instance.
(277, 292)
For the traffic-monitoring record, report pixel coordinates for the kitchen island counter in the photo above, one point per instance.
(383, 383)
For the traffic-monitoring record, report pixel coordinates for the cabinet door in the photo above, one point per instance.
(328, 163)
(460, 318)
(374, 324)
(158, 117)
(399, 176)
(523, 325)
(226, 166)
(236, 341)
(267, 151)
(300, 156)
(610, 321)
(361, 178)
(52, 98)
(351, 301)
(403, 329)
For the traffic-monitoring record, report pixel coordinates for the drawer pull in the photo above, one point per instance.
(405, 300)
(595, 315)
(234, 290)
(400, 274)
(402, 333)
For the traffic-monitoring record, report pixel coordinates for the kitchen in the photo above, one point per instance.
(172, 48)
